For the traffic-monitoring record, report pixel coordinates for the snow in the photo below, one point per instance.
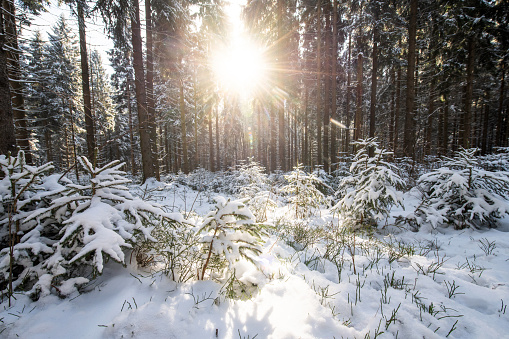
(293, 293)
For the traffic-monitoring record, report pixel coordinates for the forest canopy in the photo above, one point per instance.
(208, 83)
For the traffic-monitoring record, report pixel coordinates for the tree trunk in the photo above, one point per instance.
(500, 134)
(393, 110)
(273, 140)
(486, 119)
(131, 126)
(467, 115)
(372, 106)
(151, 107)
(327, 106)
(409, 134)
(348, 88)
(211, 141)
(281, 101)
(85, 82)
(196, 154)
(431, 112)
(334, 57)
(8, 139)
(397, 113)
(14, 71)
(183, 132)
(305, 151)
(147, 156)
(358, 108)
(445, 132)
(318, 84)
(218, 156)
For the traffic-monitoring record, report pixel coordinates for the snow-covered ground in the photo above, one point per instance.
(403, 285)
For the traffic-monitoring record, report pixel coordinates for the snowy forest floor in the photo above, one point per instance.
(400, 284)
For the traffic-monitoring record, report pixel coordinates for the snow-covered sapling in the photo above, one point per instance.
(98, 221)
(22, 188)
(372, 188)
(303, 193)
(462, 194)
(229, 233)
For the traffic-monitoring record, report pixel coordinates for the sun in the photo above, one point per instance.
(239, 67)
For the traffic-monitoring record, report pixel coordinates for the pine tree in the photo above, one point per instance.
(62, 87)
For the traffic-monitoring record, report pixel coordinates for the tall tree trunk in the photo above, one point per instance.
(85, 82)
(393, 110)
(372, 106)
(151, 107)
(281, 103)
(467, 115)
(409, 133)
(195, 123)
(486, 120)
(212, 166)
(8, 139)
(445, 132)
(431, 112)
(500, 129)
(147, 156)
(397, 113)
(183, 131)
(14, 71)
(327, 78)
(131, 126)
(318, 84)
(218, 156)
(259, 138)
(305, 151)
(348, 91)
(273, 140)
(358, 108)
(334, 57)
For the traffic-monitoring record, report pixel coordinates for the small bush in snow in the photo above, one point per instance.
(229, 233)
(176, 251)
(303, 193)
(462, 194)
(372, 189)
(261, 204)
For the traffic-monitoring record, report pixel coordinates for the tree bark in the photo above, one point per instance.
(358, 108)
(281, 101)
(500, 134)
(85, 82)
(334, 57)
(151, 107)
(397, 113)
(14, 71)
(318, 84)
(467, 115)
(183, 132)
(305, 151)
(212, 166)
(8, 139)
(409, 134)
(147, 155)
(348, 88)
(131, 126)
(393, 109)
(273, 139)
(327, 85)
(372, 106)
